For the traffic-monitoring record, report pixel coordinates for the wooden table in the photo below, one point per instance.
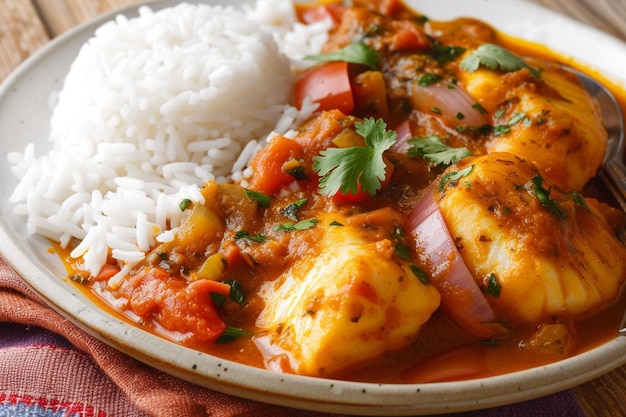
(27, 25)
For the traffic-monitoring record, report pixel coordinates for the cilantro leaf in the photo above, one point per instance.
(444, 53)
(429, 79)
(355, 53)
(345, 169)
(432, 149)
(493, 57)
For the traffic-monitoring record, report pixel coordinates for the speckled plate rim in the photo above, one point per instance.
(24, 117)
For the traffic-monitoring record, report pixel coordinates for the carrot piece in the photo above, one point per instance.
(267, 165)
(210, 286)
(107, 271)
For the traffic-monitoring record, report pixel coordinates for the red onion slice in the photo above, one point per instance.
(455, 106)
(461, 298)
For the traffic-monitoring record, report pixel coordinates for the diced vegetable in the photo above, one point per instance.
(328, 85)
(322, 12)
(268, 165)
(370, 94)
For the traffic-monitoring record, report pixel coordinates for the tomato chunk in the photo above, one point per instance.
(328, 85)
(409, 36)
(267, 165)
(320, 13)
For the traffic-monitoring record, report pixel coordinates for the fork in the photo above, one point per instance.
(613, 170)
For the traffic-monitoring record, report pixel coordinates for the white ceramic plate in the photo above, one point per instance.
(24, 117)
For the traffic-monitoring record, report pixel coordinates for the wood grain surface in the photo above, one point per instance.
(27, 25)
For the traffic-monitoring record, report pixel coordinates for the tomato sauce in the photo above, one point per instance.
(237, 237)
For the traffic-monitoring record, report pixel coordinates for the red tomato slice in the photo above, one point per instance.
(328, 85)
(322, 12)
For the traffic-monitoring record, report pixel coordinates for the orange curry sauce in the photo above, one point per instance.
(181, 309)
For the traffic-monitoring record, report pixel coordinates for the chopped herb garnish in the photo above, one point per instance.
(218, 299)
(291, 210)
(454, 176)
(402, 251)
(493, 286)
(262, 199)
(335, 223)
(297, 172)
(432, 149)
(506, 128)
(420, 274)
(236, 292)
(479, 108)
(579, 199)
(517, 117)
(301, 225)
(184, 204)
(435, 110)
(443, 53)
(242, 234)
(348, 170)
(501, 130)
(428, 79)
(495, 57)
(230, 334)
(355, 53)
(460, 116)
(398, 233)
(543, 196)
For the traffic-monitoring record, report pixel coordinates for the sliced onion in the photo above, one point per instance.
(461, 298)
(403, 132)
(455, 106)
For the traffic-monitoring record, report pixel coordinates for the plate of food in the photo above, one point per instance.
(383, 209)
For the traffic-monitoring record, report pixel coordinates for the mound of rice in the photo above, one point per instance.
(151, 109)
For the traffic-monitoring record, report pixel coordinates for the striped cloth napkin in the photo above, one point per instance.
(50, 368)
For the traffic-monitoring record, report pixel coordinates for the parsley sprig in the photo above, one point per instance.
(493, 57)
(355, 53)
(432, 149)
(348, 170)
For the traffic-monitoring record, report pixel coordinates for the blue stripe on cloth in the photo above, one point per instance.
(33, 410)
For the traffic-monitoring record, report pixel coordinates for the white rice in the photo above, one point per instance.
(151, 109)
